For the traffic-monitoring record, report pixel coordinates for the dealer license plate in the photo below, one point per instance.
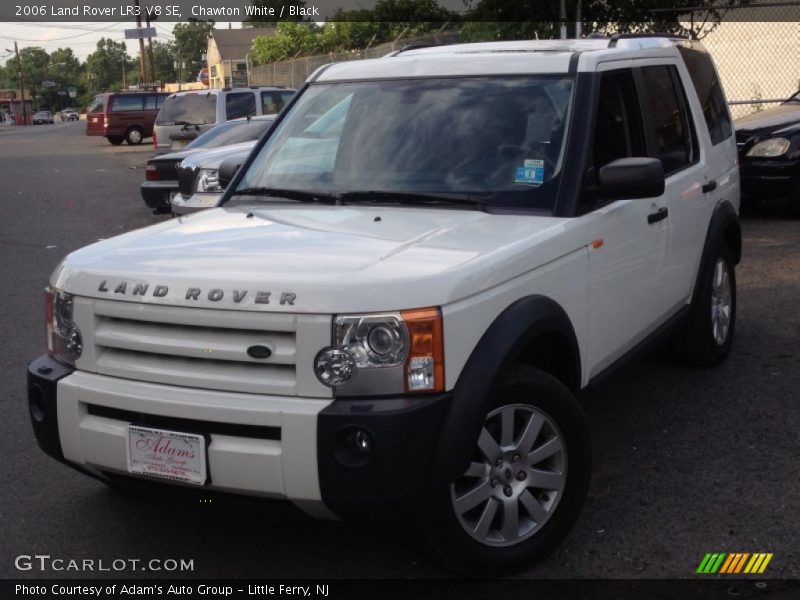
(167, 454)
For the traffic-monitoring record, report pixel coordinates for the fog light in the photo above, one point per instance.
(360, 441)
(420, 373)
(334, 367)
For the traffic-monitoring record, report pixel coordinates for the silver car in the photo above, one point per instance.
(185, 115)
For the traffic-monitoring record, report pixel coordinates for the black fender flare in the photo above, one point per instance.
(508, 335)
(724, 226)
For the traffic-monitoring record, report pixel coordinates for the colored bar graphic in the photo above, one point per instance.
(734, 563)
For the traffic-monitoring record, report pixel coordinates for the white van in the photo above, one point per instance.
(185, 115)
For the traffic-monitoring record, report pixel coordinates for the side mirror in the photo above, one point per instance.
(227, 170)
(631, 178)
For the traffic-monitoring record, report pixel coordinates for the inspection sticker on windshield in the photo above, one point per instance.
(530, 173)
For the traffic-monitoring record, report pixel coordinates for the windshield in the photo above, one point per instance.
(194, 109)
(498, 139)
(231, 132)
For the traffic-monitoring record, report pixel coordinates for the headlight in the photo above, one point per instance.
(208, 181)
(64, 339)
(387, 353)
(770, 147)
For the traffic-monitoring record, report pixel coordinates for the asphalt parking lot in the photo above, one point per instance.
(686, 461)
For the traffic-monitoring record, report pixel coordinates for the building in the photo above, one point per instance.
(228, 55)
(11, 106)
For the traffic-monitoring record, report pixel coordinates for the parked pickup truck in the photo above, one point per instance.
(394, 313)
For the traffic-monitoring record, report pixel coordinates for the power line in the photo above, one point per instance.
(69, 37)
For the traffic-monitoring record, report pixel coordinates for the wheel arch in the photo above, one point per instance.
(534, 330)
(724, 226)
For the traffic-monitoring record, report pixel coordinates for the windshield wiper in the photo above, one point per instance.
(421, 198)
(299, 195)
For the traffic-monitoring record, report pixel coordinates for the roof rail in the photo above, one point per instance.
(612, 42)
(413, 47)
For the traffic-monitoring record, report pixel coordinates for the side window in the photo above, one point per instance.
(152, 102)
(618, 131)
(273, 102)
(668, 125)
(240, 104)
(126, 103)
(268, 105)
(709, 91)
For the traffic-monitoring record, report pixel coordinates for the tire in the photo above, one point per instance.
(115, 140)
(707, 336)
(533, 398)
(134, 136)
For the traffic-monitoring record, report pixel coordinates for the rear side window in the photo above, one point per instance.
(273, 102)
(126, 103)
(153, 101)
(240, 104)
(709, 91)
(195, 109)
(668, 123)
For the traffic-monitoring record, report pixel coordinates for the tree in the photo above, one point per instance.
(290, 39)
(498, 19)
(164, 57)
(104, 66)
(191, 42)
(276, 5)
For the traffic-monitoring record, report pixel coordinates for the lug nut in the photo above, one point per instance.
(515, 458)
(507, 490)
(493, 482)
(498, 463)
(521, 476)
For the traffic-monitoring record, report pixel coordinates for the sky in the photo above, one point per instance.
(81, 37)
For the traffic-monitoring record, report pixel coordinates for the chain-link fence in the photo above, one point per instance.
(756, 48)
(757, 52)
(292, 73)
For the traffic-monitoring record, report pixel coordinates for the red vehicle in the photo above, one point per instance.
(124, 116)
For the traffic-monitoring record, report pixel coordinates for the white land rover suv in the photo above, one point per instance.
(407, 285)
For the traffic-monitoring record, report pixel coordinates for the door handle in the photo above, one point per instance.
(661, 214)
(709, 187)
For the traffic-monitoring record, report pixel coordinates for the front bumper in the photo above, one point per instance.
(768, 178)
(271, 446)
(156, 194)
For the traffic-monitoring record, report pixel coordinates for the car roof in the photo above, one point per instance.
(215, 91)
(501, 58)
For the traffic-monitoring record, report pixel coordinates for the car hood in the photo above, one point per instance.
(772, 120)
(331, 259)
(212, 158)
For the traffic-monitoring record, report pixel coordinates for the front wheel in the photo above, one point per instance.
(526, 482)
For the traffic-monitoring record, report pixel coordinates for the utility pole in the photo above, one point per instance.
(150, 49)
(21, 88)
(124, 81)
(142, 70)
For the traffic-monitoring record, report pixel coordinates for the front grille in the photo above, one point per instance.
(186, 181)
(198, 348)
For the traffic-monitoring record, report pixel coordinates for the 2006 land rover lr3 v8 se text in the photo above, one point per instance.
(410, 279)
